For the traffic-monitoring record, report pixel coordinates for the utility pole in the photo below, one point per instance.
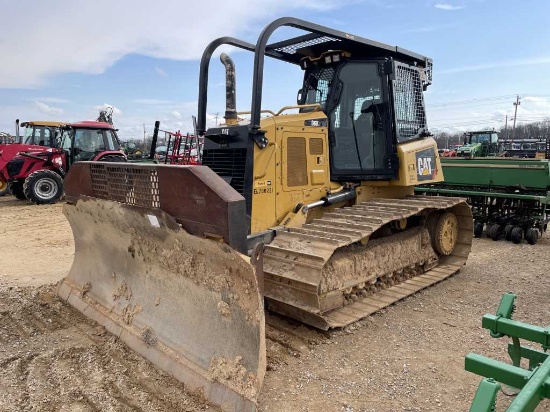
(516, 103)
(144, 143)
(506, 128)
(216, 117)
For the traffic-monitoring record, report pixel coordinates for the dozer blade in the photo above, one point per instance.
(190, 305)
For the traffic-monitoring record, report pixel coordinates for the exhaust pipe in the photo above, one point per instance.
(153, 148)
(230, 93)
(17, 138)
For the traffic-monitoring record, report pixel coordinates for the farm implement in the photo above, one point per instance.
(509, 196)
(532, 384)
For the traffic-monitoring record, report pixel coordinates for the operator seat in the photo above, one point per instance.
(371, 135)
(364, 127)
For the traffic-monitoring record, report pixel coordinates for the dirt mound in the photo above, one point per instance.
(54, 359)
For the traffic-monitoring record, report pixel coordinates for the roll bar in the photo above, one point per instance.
(318, 40)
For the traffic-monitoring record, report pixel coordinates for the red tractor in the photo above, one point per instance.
(37, 174)
(39, 136)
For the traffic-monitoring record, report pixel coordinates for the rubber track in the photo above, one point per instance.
(292, 254)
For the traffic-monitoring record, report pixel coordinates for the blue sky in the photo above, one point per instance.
(144, 60)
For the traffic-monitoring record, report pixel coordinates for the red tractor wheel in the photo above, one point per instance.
(43, 187)
(16, 189)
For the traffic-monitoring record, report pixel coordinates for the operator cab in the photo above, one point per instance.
(42, 134)
(488, 140)
(85, 140)
(356, 96)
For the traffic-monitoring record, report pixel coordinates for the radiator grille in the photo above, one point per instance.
(315, 146)
(134, 186)
(229, 164)
(296, 166)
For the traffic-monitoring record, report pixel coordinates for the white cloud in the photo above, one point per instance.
(44, 108)
(152, 102)
(116, 110)
(83, 44)
(429, 29)
(50, 100)
(161, 72)
(446, 6)
(497, 65)
(131, 124)
(538, 101)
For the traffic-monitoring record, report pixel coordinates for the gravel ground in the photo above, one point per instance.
(409, 357)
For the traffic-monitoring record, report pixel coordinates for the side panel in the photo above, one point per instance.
(418, 163)
(304, 168)
(292, 169)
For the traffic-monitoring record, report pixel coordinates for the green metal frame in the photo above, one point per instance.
(459, 192)
(534, 382)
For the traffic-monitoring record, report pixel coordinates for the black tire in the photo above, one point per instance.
(496, 232)
(43, 187)
(516, 235)
(508, 232)
(478, 229)
(113, 158)
(488, 227)
(16, 189)
(532, 235)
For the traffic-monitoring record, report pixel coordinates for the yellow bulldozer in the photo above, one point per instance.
(309, 211)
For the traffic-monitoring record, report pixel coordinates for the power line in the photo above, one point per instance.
(466, 102)
(465, 106)
(468, 120)
(453, 102)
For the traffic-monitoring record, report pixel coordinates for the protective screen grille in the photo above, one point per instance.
(410, 116)
(134, 186)
(292, 48)
(317, 83)
(296, 166)
(315, 146)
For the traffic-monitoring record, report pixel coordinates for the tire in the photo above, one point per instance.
(496, 232)
(516, 235)
(478, 229)
(43, 187)
(532, 235)
(488, 227)
(508, 232)
(16, 189)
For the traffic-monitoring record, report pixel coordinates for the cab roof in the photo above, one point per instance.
(43, 123)
(89, 124)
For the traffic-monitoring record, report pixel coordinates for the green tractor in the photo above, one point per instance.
(479, 144)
